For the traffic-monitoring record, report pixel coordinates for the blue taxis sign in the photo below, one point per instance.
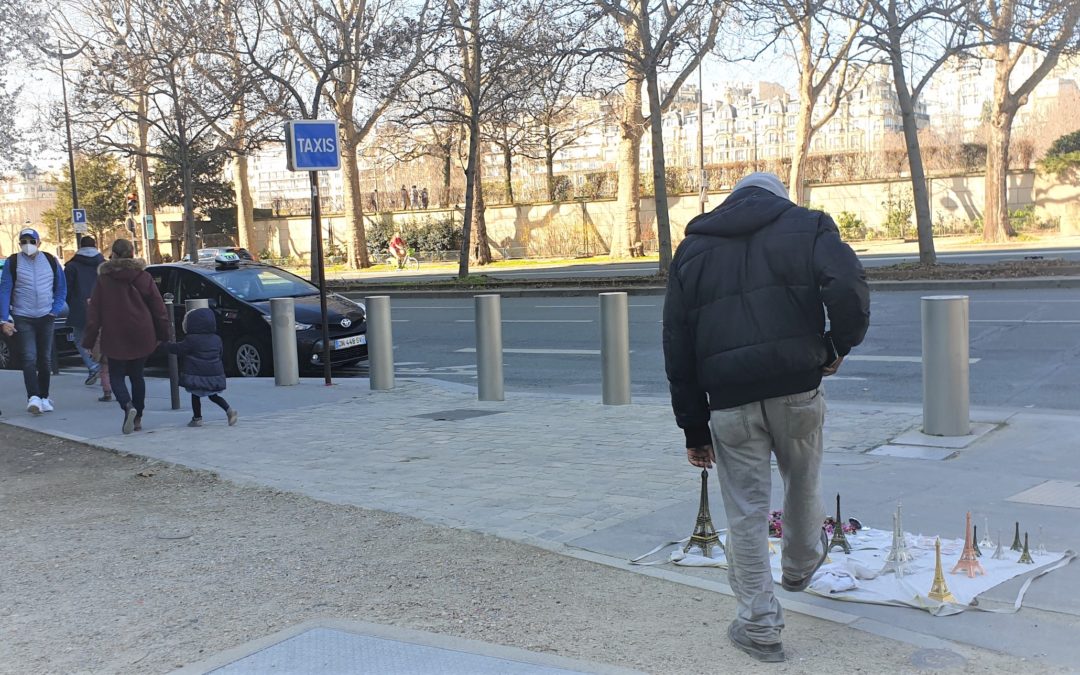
(312, 145)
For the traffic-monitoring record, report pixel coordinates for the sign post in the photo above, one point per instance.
(312, 146)
(78, 218)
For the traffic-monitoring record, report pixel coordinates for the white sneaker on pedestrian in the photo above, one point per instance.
(33, 406)
(46, 405)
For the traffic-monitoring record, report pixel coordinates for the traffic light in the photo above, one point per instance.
(133, 203)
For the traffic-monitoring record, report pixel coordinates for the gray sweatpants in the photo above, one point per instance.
(744, 438)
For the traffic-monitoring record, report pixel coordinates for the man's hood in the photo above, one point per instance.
(124, 269)
(88, 255)
(744, 212)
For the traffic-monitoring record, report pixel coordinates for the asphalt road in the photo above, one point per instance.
(641, 268)
(1025, 346)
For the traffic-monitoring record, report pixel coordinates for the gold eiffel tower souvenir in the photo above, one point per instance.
(838, 538)
(1025, 556)
(975, 540)
(968, 561)
(704, 536)
(939, 590)
(1016, 546)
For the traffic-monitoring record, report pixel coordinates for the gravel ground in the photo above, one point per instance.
(111, 564)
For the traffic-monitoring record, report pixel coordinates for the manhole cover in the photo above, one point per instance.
(457, 415)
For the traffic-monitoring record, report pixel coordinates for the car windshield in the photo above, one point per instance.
(256, 284)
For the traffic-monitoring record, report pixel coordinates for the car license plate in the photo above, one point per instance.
(345, 343)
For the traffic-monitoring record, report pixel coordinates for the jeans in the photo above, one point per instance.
(35, 338)
(745, 437)
(86, 354)
(119, 369)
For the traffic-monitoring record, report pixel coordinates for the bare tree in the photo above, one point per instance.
(915, 38)
(484, 62)
(176, 96)
(648, 38)
(825, 46)
(556, 118)
(1043, 30)
(373, 48)
(20, 33)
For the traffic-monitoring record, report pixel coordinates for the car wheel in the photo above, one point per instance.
(251, 359)
(7, 355)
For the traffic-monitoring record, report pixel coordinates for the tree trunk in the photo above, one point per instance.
(996, 209)
(470, 198)
(245, 205)
(549, 164)
(190, 244)
(444, 198)
(142, 180)
(919, 192)
(663, 221)
(632, 128)
(481, 248)
(508, 167)
(353, 199)
(803, 129)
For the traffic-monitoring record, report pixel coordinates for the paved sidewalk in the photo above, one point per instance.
(603, 482)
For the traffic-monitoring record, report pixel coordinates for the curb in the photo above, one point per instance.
(1023, 283)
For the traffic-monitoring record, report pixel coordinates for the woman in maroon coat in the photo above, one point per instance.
(127, 309)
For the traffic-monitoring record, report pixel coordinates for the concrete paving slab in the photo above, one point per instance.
(913, 452)
(916, 437)
(356, 648)
(1064, 493)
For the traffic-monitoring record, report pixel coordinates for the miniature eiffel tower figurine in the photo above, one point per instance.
(1040, 548)
(939, 591)
(898, 553)
(986, 542)
(1016, 546)
(968, 561)
(838, 538)
(704, 536)
(975, 540)
(1025, 556)
(999, 553)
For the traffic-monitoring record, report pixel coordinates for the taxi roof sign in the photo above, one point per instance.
(227, 260)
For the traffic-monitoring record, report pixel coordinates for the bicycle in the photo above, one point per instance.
(407, 263)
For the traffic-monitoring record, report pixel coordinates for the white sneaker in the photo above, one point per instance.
(34, 406)
(46, 405)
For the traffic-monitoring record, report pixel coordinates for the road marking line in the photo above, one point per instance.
(833, 378)
(396, 307)
(891, 359)
(399, 320)
(1024, 320)
(531, 321)
(595, 306)
(563, 352)
(1027, 302)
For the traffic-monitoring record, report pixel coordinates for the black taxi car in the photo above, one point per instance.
(239, 292)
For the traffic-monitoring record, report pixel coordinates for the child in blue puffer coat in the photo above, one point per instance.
(202, 368)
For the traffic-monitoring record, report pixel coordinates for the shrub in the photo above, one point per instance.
(852, 228)
(898, 212)
(1063, 155)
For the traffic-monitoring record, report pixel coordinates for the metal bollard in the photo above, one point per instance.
(283, 336)
(489, 352)
(174, 361)
(380, 342)
(615, 348)
(945, 366)
(196, 303)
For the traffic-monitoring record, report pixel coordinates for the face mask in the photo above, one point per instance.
(29, 249)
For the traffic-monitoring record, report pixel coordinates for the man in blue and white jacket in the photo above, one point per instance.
(32, 295)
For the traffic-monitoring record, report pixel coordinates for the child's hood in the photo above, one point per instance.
(200, 321)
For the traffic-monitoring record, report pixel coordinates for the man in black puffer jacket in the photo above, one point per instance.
(202, 367)
(745, 347)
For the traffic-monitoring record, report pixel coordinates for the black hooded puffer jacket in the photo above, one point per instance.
(744, 316)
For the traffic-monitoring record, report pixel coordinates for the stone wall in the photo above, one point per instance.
(584, 228)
